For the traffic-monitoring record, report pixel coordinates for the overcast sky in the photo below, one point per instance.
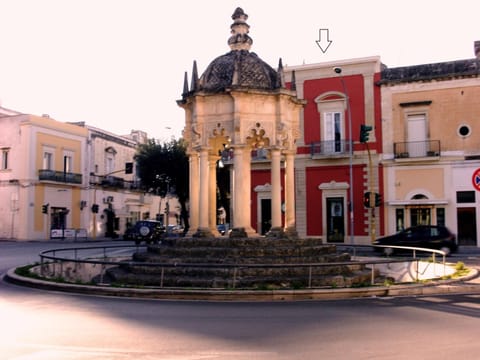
(119, 64)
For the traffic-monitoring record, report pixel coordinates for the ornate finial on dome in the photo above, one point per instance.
(281, 76)
(194, 84)
(185, 86)
(293, 82)
(239, 30)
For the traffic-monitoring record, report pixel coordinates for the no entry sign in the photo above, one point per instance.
(476, 179)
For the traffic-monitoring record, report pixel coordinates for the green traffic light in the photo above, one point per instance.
(364, 132)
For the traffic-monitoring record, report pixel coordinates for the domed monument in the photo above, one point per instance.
(240, 103)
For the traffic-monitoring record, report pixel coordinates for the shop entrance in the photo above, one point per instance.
(335, 220)
(466, 226)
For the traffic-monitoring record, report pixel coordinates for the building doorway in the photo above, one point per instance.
(420, 216)
(466, 226)
(266, 215)
(335, 220)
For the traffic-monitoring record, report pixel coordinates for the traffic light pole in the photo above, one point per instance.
(372, 195)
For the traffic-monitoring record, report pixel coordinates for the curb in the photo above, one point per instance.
(436, 287)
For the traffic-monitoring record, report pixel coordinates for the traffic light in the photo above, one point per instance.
(378, 199)
(366, 199)
(364, 133)
(129, 168)
(95, 208)
(45, 209)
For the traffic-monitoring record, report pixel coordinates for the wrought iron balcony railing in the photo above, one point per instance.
(113, 182)
(59, 176)
(330, 148)
(257, 155)
(416, 149)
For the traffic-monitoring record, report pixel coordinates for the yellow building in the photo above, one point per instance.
(67, 180)
(431, 149)
(41, 175)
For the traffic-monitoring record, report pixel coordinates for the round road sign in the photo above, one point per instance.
(476, 179)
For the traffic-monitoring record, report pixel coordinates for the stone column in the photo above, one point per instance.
(241, 193)
(203, 226)
(194, 190)
(276, 191)
(212, 194)
(290, 222)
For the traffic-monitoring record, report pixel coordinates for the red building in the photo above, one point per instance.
(333, 168)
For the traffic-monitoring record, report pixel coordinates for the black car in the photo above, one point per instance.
(149, 231)
(423, 236)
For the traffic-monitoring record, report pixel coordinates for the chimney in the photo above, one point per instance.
(476, 46)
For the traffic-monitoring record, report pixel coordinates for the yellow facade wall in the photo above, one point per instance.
(76, 198)
(60, 144)
(431, 180)
(38, 216)
(449, 109)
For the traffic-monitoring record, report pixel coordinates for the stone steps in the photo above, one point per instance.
(228, 280)
(211, 253)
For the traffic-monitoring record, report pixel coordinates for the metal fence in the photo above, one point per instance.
(55, 261)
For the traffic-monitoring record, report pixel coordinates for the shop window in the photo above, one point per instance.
(465, 197)
(399, 220)
(441, 216)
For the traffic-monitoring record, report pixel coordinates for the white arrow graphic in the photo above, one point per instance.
(323, 41)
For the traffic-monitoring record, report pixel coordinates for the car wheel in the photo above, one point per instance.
(387, 251)
(446, 250)
(144, 231)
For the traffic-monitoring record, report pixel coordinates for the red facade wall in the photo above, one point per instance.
(262, 177)
(314, 88)
(325, 174)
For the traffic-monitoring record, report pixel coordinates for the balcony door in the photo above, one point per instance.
(417, 135)
(333, 132)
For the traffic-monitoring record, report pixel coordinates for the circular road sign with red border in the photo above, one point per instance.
(476, 179)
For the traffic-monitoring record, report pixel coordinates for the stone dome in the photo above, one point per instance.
(239, 68)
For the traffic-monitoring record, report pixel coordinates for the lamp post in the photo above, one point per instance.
(338, 71)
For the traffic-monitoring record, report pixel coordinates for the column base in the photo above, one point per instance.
(275, 232)
(203, 233)
(242, 232)
(278, 232)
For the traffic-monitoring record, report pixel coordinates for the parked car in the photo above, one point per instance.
(175, 230)
(149, 231)
(424, 236)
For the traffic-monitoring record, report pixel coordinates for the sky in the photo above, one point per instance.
(119, 64)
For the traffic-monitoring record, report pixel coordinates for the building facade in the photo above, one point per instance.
(334, 169)
(291, 138)
(68, 180)
(431, 138)
(41, 177)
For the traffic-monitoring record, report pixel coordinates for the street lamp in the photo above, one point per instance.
(338, 71)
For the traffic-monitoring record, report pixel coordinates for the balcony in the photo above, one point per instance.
(257, 155)
(59, 176)
(113, 182)
(417, 149)
(330, 149)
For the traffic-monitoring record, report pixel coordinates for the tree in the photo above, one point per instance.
(163, 168)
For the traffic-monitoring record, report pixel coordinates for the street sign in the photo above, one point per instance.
(476, 179)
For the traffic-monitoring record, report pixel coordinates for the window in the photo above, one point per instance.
(47, 161)
(400, 221)
(441, 216)
(331, 108)
(332, 134)
(4, 164)
(110, 153)
(465, 197)
(68, 163)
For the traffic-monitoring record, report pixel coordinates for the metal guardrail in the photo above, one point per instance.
(51, 257)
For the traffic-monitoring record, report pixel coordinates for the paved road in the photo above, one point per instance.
(44, 325)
